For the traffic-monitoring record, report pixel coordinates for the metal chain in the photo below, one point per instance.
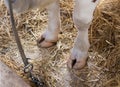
(27, 66)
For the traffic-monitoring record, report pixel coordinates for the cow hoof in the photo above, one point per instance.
(41, 42)
(76, 64)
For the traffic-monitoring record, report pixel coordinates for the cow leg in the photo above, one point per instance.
(50, 36)
(9, 78)
(82, 17)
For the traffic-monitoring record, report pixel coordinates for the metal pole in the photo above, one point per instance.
(16, 34)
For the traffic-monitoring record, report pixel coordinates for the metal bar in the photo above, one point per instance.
(25, 60)
(35, 80)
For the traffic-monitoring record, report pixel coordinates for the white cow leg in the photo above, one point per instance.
(82, 17)
(50, 36)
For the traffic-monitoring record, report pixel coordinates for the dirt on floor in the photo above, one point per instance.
(103, 67)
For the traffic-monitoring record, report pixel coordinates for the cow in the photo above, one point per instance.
(82, 18)
(8, 77)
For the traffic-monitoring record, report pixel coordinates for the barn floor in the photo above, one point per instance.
(103, 67)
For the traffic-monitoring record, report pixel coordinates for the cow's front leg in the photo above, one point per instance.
(82, 17)
(50, 36)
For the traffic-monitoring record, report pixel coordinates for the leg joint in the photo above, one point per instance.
(82, 21)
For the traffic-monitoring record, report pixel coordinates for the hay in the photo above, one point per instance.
(105, 31)
(103, 68)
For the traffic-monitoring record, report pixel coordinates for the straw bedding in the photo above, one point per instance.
(103, 67)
